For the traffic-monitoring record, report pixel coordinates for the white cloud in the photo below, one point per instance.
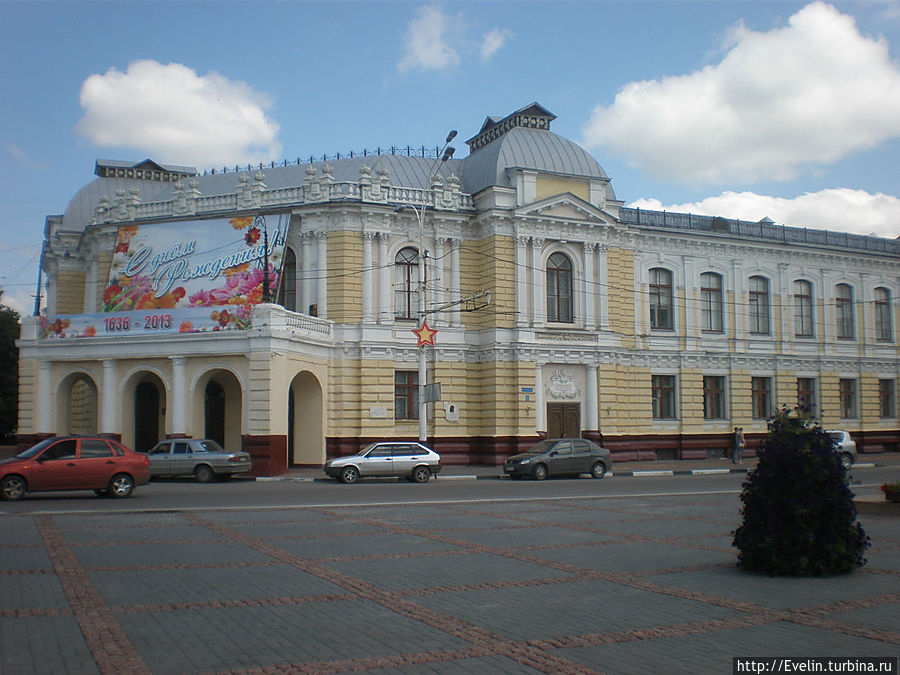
(493, 42)
(778, 103)
(428, 41)
(23, 157)
(840, 209)
(176, 116)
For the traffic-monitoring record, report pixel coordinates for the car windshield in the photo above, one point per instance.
(836, 436)
(541, 447)
(35, 450)
(210, 446)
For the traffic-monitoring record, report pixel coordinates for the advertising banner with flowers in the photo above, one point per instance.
(183, 277)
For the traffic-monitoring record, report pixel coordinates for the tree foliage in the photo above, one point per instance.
(9, 370)
(798, 512)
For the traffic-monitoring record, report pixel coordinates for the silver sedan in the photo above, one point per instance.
(202, 458)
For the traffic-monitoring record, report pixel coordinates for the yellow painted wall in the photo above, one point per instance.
(70, 292)
(548, 186)
(489, 265)
(345, 276)
(622, 302)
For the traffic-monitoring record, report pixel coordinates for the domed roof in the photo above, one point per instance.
(523, 140)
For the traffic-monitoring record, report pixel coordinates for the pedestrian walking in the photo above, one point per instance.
(737, 454)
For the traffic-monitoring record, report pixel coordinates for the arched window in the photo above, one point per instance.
(406, 284)
(559, 288)
(883, 323)
(660, 298)
(803, 309)
(759, 305)
(843, 311)
(711, 301)
(287, 291)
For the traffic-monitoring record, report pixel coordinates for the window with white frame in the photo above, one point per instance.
(661, 298)
(711, 301)
(663, 395)
(406, 395)
(887, 400)
(406, 284)
(559, 289)
(714, 397)
(761, 397)
(759, 305)
(803, 309)
(287, 291)
(847, 390)
(806, 394)
(883, 323)
(843, 311)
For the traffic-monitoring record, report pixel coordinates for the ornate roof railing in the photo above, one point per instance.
(763, 229)
(252, 194)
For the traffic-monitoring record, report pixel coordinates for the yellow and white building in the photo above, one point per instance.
(558, 310)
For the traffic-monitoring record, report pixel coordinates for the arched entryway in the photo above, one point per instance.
(218, 405)
(306, 439)
(149, 407)
(77, 412)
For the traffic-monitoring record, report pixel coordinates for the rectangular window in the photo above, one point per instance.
(759, 305)
(848, 398)
(806, 394)
(803, 309)
(761, 397)
(714, 397)
(711, 301)
(887, 401)
(883, 329)
(406, 395)
(843, 308)
(660, 298)
(663, 397)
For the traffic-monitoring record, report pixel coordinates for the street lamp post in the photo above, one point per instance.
(445, 153)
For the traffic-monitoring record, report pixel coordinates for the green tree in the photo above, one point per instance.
(9, 370)
(798, 512)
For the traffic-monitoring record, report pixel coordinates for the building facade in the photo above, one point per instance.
(558, 310)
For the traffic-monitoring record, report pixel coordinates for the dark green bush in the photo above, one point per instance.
(798, 512)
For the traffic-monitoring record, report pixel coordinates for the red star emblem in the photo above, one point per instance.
(425, 334)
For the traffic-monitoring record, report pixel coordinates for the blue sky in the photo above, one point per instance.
(789, 110)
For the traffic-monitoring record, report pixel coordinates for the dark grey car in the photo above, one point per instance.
(560, 457)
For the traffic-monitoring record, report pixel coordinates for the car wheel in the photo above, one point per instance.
(598, 470)
(421, 474)
(349, 474)
(539, 472)
(13, 488)
(846, 460)
(121, 485)
(204, 474)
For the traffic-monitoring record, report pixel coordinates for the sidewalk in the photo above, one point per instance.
(684, 467)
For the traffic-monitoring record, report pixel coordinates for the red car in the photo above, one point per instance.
(74, 463)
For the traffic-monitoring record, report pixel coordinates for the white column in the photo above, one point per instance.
(384, 284)
(540, 409)
(306, 274)
(108, 398)
(590, 400)
(44, 398)
(455, 293)
(322, 274)
(368, 289)
(603, 286)
(437, 281)
(538, 302)
(521, 282)
(590, 288)
(177, 401)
